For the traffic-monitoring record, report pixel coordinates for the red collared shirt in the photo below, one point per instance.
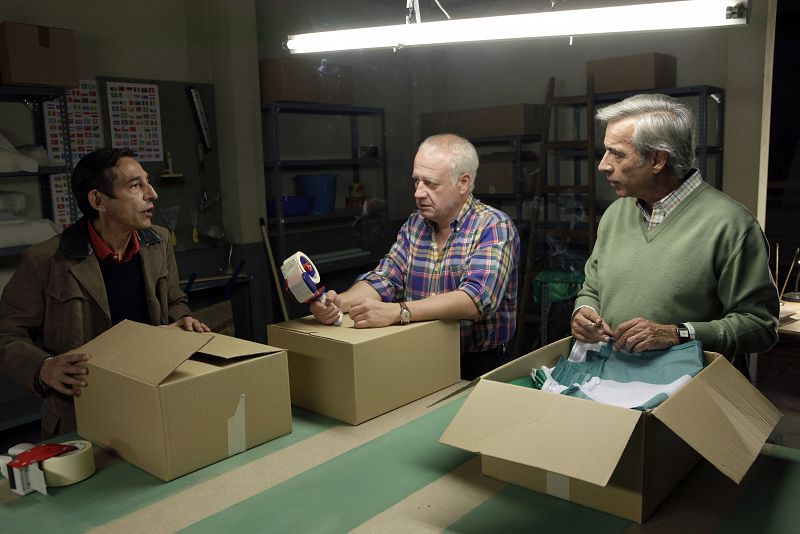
(104, 252)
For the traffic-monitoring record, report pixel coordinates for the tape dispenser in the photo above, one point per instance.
(302, 279)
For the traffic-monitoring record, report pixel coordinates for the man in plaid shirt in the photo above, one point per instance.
(454, 258)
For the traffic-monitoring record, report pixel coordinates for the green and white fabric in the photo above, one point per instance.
(640, 381)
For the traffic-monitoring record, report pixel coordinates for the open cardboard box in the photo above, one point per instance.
(621, 461)
(171, 401)
(355, 374)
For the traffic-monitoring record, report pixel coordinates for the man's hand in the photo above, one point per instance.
(639, 334)
(372, 313)
(190, 324)
(329, 312)
(589, 327)
(65, 373)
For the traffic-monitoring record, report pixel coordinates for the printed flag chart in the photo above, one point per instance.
(85, 123)
(135, 119)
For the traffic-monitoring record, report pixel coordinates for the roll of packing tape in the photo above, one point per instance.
(70, 467)
(3, 462)
(18, 449)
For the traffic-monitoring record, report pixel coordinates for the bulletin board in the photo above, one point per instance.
(166, 125)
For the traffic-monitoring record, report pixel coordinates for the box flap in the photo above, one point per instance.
(231, 347)
(721, 416)
(569, 436)
(143, 352)
(346, 333)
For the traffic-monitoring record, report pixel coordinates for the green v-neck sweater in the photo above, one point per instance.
(706, 264)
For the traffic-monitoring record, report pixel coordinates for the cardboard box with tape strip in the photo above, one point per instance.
(355, 374)
(621, 461)
(171, 401)
(37, 55)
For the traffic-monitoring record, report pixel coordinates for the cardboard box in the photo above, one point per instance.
(37, 55)
(624, 462)
(300, 80)
(355, 374)
(498, 172)
(498, 121)
(172, 402)
(632, 73)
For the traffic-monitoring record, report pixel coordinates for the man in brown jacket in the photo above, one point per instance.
(111, 265)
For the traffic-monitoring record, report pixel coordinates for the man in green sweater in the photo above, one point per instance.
(675, 259)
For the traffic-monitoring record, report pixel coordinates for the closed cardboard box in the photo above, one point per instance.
(631, 73)
(355, 374)
(624, 462)
(500, 171)
(37, 55)
(172, 402)
(497, 121)
(300, 80)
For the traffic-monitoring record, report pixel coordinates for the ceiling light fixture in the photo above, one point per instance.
(632, 18)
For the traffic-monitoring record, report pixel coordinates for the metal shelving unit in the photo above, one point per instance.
(34, 98)
(322, 232)
(522, 186)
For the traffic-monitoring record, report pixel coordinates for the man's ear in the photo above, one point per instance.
(97, 200)
(660, 158)
(464, 182)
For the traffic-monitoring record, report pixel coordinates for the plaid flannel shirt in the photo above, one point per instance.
(480, 258)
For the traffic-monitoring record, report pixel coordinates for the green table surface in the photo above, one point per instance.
(364, 486)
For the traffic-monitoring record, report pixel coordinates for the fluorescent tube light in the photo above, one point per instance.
(633, 18)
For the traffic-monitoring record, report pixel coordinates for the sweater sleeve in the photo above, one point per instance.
(749, 322)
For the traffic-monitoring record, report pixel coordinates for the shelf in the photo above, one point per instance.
(506, 139)
(319, 217)
(341, 260)
(13, 251)
(311, 163)
(312, 108)
(42, 171)
(28, 93)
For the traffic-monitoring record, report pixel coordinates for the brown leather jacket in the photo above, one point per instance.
(56, 301)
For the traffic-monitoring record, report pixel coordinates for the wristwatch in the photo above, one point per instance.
(683, 333)
(40, 385)
(405, 314)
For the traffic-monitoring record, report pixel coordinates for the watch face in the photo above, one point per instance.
(405, 316)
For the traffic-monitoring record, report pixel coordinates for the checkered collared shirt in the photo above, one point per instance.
(666, 205)
(480, 258)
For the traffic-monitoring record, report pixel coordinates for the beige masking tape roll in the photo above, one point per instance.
(70, 467)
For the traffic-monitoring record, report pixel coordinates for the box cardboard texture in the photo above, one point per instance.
(498, 173)
(172, 402)
(631, 73)
(355, 374)
(621, 461)
(37, 55)
(300, 80)
(498, 121)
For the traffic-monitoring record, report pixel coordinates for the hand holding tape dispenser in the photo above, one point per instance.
(302, 279)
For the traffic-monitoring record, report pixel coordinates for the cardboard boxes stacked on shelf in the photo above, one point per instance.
(301, 80)
(633, 73)
(37, 55)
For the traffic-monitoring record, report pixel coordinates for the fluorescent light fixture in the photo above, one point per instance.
(618, 19)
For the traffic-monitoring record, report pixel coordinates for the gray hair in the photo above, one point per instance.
(661, 123)
(462, 155)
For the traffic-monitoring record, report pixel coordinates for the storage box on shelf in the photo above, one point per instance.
(37, 55)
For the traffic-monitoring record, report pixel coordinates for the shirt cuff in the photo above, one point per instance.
(584, 306)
